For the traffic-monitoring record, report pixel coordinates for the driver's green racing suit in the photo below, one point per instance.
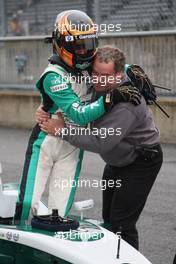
(51, 157)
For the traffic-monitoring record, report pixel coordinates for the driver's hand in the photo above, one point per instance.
(41, 116)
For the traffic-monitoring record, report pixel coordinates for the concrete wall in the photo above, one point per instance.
(166, 125)
(17, 109)
(36, 53)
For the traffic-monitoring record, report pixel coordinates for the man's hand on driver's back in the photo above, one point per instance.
(53, 126)
(41, 116)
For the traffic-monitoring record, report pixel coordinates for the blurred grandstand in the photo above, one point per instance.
(29, 17)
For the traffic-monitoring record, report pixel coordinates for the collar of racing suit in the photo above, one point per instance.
(55, 59)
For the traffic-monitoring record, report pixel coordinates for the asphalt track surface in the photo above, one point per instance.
(157, 224)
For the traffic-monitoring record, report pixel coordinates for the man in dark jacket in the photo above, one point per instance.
(130, 147)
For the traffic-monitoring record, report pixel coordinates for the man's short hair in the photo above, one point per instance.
(111, 53)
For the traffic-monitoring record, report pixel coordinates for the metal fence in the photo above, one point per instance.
(22, 59)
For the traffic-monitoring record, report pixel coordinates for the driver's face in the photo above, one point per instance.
(81, 52)
(104, 76)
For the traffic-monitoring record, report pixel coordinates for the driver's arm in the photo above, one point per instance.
(67, 100)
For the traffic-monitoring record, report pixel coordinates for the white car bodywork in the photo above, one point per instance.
(101, 251)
